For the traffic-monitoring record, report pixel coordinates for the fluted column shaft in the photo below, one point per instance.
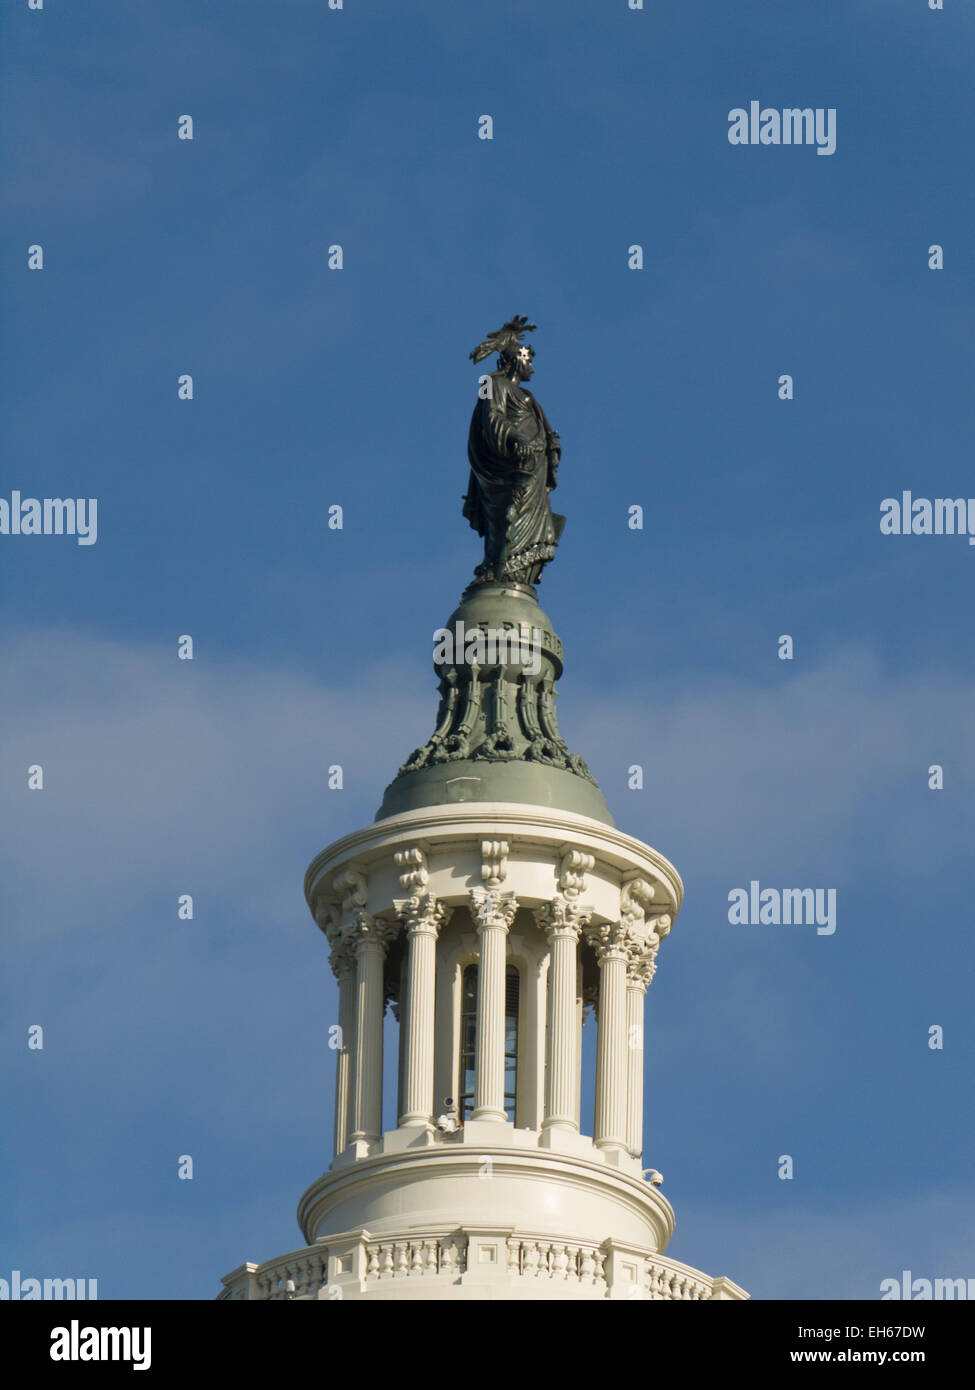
(422, 918)
(531, 1046)
(580, 1023)
(370, 941)
(611, 1050)
(563, 1034)
(493, 913)
(344, 1054)
(635, 992)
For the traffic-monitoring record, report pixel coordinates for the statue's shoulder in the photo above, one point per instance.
(503, 392)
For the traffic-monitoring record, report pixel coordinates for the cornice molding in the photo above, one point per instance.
(493, 820)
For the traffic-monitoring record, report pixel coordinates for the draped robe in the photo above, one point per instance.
(514, 458)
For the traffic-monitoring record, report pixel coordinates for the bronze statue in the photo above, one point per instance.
(514, 456)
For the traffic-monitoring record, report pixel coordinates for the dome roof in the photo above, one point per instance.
(497, 738)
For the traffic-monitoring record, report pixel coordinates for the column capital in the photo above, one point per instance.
(369, 931)
(422, 913)
(492, 908)
(342, 957)
(610, 940)
(641, 967)
(641, 963)
(562, 917)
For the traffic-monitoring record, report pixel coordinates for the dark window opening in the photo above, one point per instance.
(468, 1040)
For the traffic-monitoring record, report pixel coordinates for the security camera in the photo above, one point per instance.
(447, 1123)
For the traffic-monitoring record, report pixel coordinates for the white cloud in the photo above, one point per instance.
(160, 775)
(791, 772)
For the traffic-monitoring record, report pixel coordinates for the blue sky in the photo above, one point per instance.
(316, 387)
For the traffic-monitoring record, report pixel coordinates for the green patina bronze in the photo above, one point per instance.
(498, 657)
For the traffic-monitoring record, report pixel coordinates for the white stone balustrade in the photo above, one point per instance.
(534, 1265)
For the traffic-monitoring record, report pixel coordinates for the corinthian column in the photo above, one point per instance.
(610, 944)
(641, 969)
(422, 917)
(639, 973)
(343, 965)
(493, 913)
(371, 937)
(562, 920)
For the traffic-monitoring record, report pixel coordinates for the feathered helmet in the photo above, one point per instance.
(505, 341)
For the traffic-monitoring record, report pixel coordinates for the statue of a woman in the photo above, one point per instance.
(514, 456)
